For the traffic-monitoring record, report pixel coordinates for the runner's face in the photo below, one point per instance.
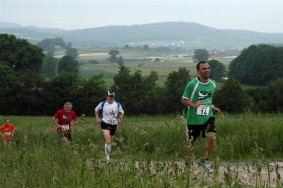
(7, 122)
(110, 98)
(68, 108)
(204, 71)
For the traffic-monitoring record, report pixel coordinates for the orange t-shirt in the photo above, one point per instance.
(7, 131)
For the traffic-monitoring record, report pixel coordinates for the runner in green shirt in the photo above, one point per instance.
(200, 115)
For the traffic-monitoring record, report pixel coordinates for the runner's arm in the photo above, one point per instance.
(215, 109)
(55, 122)
(188, 102)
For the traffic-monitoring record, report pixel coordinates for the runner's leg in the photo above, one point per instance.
(210, 144)
(107, 146)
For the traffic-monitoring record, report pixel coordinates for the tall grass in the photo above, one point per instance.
(147, 152)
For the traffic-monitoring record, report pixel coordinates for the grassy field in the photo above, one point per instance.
(148, 151)
(163, 62)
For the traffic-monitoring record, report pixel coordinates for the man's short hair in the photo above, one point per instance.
(68, 103)
(201, 62)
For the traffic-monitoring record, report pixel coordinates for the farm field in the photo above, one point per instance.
(163, 62)
(148, 151)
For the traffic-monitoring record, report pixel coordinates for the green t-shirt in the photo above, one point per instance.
(195, 91)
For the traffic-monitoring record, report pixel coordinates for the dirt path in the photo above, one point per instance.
(265, 175)
(244, 174)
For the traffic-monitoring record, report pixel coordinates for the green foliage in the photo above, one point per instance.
(217, 70)
(50, 43)
(134, 91)
(60, 89)
(120, 60)
(25, 91)
(122, 83)
(258, 65)
(275, 95)
(201, 55)
(68, 64)
(88, 93)
(50, 66)
(25, 62)
(173, 91)
(72, 52)
(114, 57)
(231, 97)
(9, 82)
(31, 95)
(259, 99)
(20, 55)
(150, 94)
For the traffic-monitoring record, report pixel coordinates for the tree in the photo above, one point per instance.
(258, 65)
(217, 70)
(9, 82)
(145, 47)
(174, 88)
(50, 51)
(113, 56)
(120, 60)
(61, 88)
(88, 93)
(122, 86)
(48, 43)
(259, 99)
(72, 52)
(68, 64)
(25, 60)
(275, 95)
(69, 45)
(49, 66)
(134, 91)
(31, 95)
(201, 55)
(151, 94)
(231, 97)
(20, 55)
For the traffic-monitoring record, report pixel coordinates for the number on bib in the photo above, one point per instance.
(65, 127)
(7, 133)
(203, 110)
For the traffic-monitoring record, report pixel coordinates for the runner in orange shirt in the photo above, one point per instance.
(7, 131)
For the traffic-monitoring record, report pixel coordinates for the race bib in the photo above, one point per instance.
(7, 133)
(65, 127)
(203, 110)
(112, 121)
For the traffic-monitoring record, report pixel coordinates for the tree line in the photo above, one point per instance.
(25, 90)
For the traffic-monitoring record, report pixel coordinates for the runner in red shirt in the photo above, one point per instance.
(67, 118)
(7, 131)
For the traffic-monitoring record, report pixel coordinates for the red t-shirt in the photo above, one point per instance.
(7, 131)
(64, 119)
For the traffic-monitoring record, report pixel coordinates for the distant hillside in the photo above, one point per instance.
(187, 35)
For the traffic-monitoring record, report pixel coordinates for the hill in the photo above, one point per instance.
(187, 35)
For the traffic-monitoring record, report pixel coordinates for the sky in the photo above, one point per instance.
(254, 15)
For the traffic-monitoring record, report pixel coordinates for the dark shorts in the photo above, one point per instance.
(68, 136)
(111, 128)
(195, 130)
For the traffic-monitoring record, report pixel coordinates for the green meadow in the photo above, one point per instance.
(148, 151)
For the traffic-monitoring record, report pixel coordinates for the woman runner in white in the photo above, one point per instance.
(108, 114)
